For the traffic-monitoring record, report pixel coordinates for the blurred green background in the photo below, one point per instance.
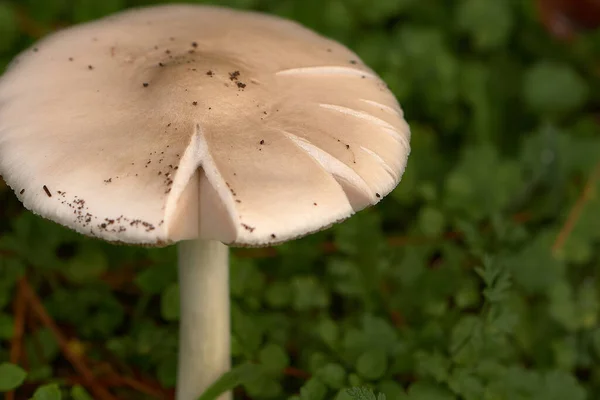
(476, 279)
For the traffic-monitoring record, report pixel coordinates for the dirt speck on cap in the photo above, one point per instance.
(248, 228)
(47, 191)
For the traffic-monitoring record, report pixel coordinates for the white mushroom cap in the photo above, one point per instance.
(135, 127)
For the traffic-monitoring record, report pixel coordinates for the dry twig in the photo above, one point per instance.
(16, 345)
(89, 380)
(575, 213)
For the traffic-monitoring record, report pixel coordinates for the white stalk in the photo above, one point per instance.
(204, 331)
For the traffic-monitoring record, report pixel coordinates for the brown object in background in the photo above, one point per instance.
(564, 18)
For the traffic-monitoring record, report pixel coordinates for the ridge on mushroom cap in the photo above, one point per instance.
(135, 127)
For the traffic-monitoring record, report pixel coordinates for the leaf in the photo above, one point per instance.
(432, 365)
(246, 279)
(428, 391)
(79, 393)
(329, 332)
(463, 383)
(84, 10)
(11, 377)
(482, 183)
(380, 333)
(392, 390)
(346, 277)
(363, 393)
(562, 306)
(559, 385)
(376, 334)
(496, 278)
(332, 374)
(378, 12)
(533, 267)
(9, 29)
(264, 386)
(431, 221)
(518, 380)
(47, 392)
(372, 364)
(6, 326)
(167, 371)
(41, 347)
(466, 342)
(308, 293)
(278, 295)
(247, 330)
(94, 310)
(169, 303)
(273, 358)
(237, 376)
(313, 389)
(89, 263)
(432, 66)
(567, 92)
(156, 279)
(489, 23)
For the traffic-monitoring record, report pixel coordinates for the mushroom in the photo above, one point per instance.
(201, 126)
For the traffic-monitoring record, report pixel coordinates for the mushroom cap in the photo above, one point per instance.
(175, 122)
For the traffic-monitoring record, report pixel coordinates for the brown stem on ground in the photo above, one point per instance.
(89, 380)
(296, 373)
(16, 345)
(28, 25)
(575, 212)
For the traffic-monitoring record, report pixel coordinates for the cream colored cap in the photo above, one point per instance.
(135, 127)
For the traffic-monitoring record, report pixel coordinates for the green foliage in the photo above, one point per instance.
(364, 394)
(488, 23)
(169, 303)
(452, 288)
(9, 30)
(244, 373)
(48, 392)
(79, 393)
(11, 377)
(567, 92)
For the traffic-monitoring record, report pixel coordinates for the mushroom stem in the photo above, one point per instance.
(204, 332)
